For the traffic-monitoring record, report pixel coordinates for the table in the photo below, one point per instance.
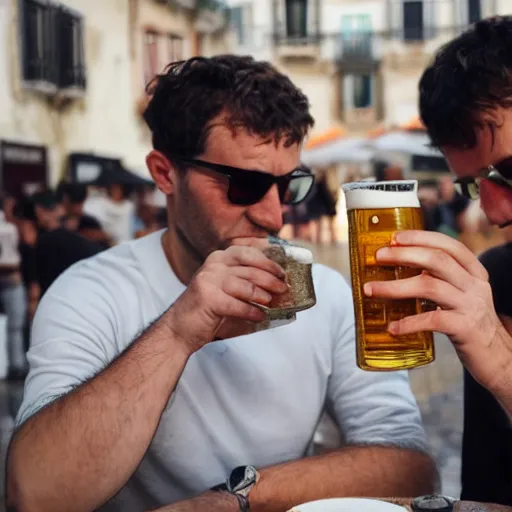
(460, 506)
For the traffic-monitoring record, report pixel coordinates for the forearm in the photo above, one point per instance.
(352, 471)
(215, 501)
(76, 453)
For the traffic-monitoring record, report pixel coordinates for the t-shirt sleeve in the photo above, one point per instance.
(371, 408)
(73, 338)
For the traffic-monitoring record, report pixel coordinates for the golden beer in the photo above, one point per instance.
(375, 212)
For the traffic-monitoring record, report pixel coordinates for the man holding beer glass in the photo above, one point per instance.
(466, 105)
(133, 402)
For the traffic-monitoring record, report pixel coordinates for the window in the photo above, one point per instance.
(175, 48)
(358, 91)
(52, 45)
(71, 48)
(296, 18)
(151, 67)
(356, 35)
(413, 20)
(474, 11)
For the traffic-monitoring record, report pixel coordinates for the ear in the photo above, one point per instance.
(162, 171)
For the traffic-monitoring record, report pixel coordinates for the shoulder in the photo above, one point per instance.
(334, 299)
(497, 258)
(108, 272)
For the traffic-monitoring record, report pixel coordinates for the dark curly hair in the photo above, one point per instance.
(253, 95)
(469, 76)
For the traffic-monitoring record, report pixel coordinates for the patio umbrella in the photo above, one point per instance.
(349, 150)
(409, 142)
(331, 135)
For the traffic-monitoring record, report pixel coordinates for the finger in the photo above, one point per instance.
(251, 257)
(262, 279)
(454, 248)
(423, 286)
(436, 261)
(235, 308)
(447, 322)
(258, 243)
(245, 290)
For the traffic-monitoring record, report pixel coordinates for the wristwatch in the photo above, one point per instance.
(433, 502)
(239, 483)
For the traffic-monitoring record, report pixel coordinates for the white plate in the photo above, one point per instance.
(347, 505)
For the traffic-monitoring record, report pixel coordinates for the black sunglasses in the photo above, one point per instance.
(501, 174)
(248, 187)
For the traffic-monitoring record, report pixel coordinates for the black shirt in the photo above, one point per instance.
(59, 249)
(487, 439)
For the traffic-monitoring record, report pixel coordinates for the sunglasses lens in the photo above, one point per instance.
(245, 190)
(297, 190)
(469, 189)
(473, 190)
(251, 189)
(505, 168)
(459, 188)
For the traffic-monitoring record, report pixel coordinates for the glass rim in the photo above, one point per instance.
(382, 186)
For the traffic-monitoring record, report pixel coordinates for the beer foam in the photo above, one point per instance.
(384, 194)
(299, 254)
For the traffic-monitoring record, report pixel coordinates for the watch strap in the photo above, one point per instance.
(243, 502)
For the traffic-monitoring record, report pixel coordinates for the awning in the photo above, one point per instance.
(90, 169)
(414, 124)
(331, 135)
(408, 142)
(349, 150)
(416, 145)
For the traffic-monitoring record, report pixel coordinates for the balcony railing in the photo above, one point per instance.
(357, 46)
(296, 40)
(211, 16)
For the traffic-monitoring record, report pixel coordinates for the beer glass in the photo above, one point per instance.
(297, 262)
(375, 211)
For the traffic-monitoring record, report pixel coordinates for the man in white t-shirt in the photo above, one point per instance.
(132, 404)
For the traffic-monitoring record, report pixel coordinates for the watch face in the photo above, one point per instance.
(242, 478)
(434, 502)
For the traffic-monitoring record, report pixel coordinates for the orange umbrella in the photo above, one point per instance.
(332, 134)
(414, 124)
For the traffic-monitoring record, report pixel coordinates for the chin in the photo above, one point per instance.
(505, 224)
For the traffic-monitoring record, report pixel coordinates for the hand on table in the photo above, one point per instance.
(457, 282)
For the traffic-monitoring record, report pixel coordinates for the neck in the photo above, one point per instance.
(181, 255)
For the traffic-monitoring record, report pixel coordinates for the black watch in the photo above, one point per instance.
(433, 502)
(240, 482)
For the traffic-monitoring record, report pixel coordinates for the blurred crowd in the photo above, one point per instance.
(43, 234)
(444, 209)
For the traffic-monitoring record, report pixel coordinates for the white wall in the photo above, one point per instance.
(103, 121)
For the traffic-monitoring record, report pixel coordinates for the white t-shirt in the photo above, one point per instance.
(250, 400)
(9, 253)
(115, 218)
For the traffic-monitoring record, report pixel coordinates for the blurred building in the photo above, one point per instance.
(359, 61)
(74, 74)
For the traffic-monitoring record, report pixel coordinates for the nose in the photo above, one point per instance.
(268, 213)
(496, 202)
